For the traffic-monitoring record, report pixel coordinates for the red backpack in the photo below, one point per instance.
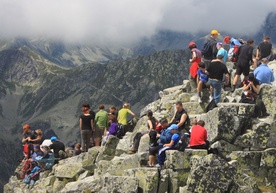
(235, 53)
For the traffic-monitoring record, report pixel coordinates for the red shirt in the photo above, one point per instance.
(198, 135)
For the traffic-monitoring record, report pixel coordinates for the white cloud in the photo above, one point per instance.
(127, 21)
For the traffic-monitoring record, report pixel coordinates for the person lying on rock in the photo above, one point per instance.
(198, 136)
(168, 146)
(152, 122)
(180, 117)
(164, 138)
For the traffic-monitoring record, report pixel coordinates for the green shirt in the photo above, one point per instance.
(101, 119)
(122, 116)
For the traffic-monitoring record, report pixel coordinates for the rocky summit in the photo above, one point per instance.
(248, 146)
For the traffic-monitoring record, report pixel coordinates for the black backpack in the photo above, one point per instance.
(121, 131)
(183, 142)
(207, 50)
(211, 105)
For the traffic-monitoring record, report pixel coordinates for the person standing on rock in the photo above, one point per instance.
(86, 126)
(101, 124)
(202, 80)
(222, 51)
(113, 111)
(198, 136)
(195, 60)
(263, 73)
(245, 57)
(180, 117)
(216, 70)
(123, 115)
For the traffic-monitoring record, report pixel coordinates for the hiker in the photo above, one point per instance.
(123, 115)
(222, 51)
(260, 109)
(168, 146)
(263, 73)
(264, 49)
(113, 111)
(101, 122)
(113, 129)
(251, 84)
(196, 58)
(209, 51)
(47, 160)
(216, 70)
(245, 57)
(29, 137)
(180, 117)
(198, 136)
(58, 147)
(37, 152)
(234, 47)
(77, 149)
(151, 123)
(86, 126)
(202, 80)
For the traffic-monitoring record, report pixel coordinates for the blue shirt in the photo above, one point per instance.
(202, 76)
(175, 138)
(264, 74)
(234, 42)
(224, 53)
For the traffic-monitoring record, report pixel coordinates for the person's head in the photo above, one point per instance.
(112, 109)
(164, 122)
(192, 45)
(220, 57)
(39, 132)
(179, 106)
(173, 128)
(26, 128)
(251, 77)
(78, 146)
(112, 118)
(126, 106)
(193, 122)
(149, 113)
(250, 42)
(45, 149)
(54, 138)
(36, 148)
(264, 61)
(201, 66)
(85, 107)
(227, 39)
(101, 107)
(266, 39)
(219, 45)
(214, 34)
(201, 123)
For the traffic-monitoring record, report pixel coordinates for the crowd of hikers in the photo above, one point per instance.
(208, 70)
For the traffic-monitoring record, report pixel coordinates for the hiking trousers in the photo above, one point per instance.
(217, 86)
(85, 135)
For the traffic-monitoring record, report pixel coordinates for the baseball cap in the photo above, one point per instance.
(219, 44)
(226, 39)
(173, 127)
(192, 44)
(54, 138)
(215, 32)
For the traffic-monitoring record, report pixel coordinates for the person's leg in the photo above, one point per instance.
(217, 85)
(237, 76)
(199, 89)
(162, 155)
(98, 136)
(263, 109)
(83, 142)
(88, 137)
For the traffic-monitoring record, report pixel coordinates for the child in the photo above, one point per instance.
(113, 129)
(202, 79)
(77, 149)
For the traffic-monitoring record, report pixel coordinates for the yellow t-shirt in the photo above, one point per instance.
(122, 116)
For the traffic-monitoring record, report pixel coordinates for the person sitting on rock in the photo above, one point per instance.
(77, 149)
(263, 73)
(260, 109)
(37, 152)
(46, 161)
(202, 79)
(180, 117)
(195, 60)
(198, 136)
(164, 138)
(251, 84)
(168, 146)
(151, 123)
(58, 147)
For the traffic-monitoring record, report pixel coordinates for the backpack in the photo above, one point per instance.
(187, 123)
(183, 142)
(33, 176)
(26, 169)
(235, 53)
(121, 131)
(207, 50)
(211, 105)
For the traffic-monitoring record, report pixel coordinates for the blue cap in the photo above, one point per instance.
(54, 138)
(173, 127)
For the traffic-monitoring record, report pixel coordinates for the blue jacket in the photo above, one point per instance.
(165, 136)
(49, 159)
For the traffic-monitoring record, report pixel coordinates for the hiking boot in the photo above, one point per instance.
(265, 115)
(233, 88)
(199, 100)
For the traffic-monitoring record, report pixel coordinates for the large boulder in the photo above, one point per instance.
(124, 144)
(109, 149)
(89, 160)
(120, 184)
(267, 92)
(144, 144)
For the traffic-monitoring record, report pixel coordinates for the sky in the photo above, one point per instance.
(127, 21)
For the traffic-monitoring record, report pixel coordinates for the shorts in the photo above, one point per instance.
(154, 150)
(99, 132)
(242, 69)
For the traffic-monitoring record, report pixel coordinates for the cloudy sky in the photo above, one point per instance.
(127, 21)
